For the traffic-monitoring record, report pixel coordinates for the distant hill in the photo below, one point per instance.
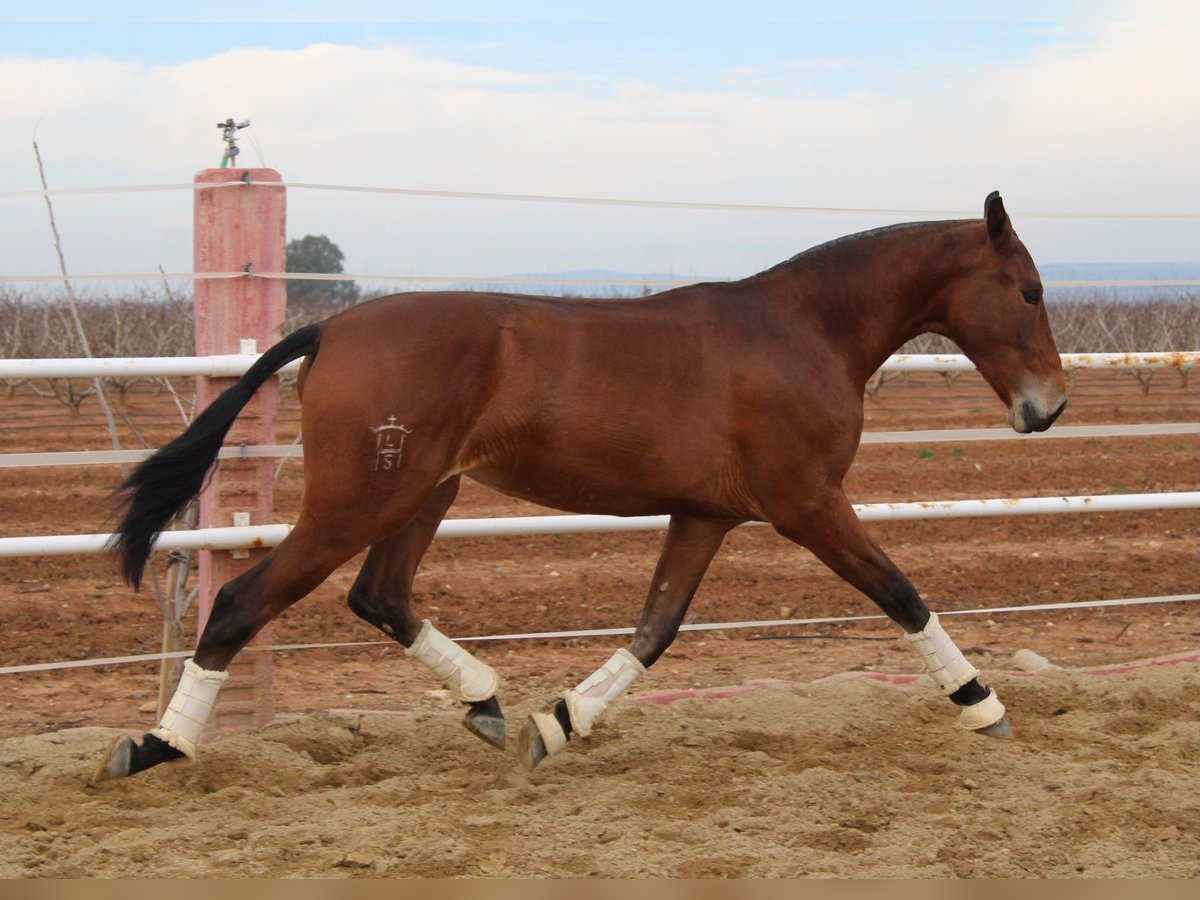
(599, 282)
(1156, 271)
(1120, 271)
(586, 283)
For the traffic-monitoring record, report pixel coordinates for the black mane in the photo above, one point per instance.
(839, 242)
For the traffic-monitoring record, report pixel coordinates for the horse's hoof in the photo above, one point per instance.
(117, 762)
(531, 745)
(997, 729)
(542, 736)
(487, 728)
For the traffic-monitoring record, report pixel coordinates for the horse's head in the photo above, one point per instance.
(995, 312)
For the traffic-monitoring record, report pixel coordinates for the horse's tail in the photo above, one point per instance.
(163, 485)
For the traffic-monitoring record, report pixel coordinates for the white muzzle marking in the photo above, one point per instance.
(464, 676)
(189, 709)
(1034, 407)
(593, 695)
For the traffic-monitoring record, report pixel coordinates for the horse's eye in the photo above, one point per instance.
(1032, 295)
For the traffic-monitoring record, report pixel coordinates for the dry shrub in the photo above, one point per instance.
(159, 323)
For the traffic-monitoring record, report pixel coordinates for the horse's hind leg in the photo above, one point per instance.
(381, 596)
(833, 532)
(688, 549)
(241, 608)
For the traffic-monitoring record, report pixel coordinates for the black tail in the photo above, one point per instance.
(164, 484)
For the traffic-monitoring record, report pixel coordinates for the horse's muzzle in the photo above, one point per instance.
(1027, 417)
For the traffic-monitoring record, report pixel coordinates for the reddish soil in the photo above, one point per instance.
(612, 806)
(74, 607)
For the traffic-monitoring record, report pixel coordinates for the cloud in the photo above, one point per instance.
(1107, 122)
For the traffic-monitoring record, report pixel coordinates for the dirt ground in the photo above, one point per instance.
(840, 777)
(368, 773)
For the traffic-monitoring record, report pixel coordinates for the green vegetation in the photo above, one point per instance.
(317, 254)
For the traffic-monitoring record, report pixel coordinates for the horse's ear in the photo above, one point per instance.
(998, 225)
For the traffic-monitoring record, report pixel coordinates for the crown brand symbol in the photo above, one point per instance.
(389, 445)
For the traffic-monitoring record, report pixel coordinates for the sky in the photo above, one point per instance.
(1084, 108)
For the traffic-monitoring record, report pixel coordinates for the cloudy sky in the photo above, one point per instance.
(1086, 108)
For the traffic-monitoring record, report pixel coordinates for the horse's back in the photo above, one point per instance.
(613, 406)
(516, 337)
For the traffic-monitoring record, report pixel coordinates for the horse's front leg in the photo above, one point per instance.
(688, 549)
(832, 531)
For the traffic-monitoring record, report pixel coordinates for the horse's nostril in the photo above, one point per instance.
(1045, 423)
(1058, 412)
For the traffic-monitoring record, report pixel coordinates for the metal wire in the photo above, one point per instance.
(604, 632)
(587, 201)
(492, 280)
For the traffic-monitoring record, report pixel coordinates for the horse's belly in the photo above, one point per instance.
(570, 492)
(604, 491)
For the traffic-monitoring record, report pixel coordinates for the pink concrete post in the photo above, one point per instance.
(239, 228)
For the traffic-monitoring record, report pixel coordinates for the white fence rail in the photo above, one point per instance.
(490, 281)
(232, 365)
(271, 535)
(945, 435)
(227, 366)
(236, 365)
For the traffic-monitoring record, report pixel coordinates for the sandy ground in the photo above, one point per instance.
(841, 777)
(821, 776)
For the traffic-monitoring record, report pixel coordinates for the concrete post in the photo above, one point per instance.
(239, 228)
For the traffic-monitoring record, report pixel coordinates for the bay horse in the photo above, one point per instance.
(716, 403)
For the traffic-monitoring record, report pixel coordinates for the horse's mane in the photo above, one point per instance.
(842, 242)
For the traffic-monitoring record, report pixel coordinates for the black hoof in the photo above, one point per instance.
(544, 735)
(532, 747)
(997, 729)
(126, 757)
(485, 720)
(117, 762)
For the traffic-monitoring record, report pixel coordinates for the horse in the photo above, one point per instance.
(716, 404)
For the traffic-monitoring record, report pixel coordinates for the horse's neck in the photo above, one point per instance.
(868, 297)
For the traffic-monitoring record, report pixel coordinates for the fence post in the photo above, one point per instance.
(239, 228)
